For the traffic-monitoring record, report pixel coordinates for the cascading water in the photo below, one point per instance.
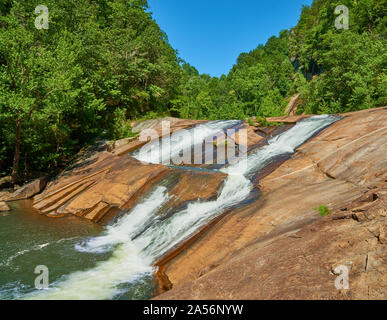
(283, 144)
(165, 150)
(133, 253)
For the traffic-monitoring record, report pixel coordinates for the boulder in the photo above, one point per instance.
(97, 187)
(25, 192)
(113, 145)
(107, 185)
(253, 138)
(176, 124)
(194, 185)
(4, 206)
(129, 147)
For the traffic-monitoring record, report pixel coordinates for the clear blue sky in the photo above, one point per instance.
(210, 34)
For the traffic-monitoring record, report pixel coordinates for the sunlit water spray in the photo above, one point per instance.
(283, 144)
(135, 250)
(166, 149)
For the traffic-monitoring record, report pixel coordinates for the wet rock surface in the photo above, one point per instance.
(4, 206)
(278, 247)
(106, 182)
(300, 263)
(25, 192)
(275, 246)
(175, 124)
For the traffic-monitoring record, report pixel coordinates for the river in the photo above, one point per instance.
(86, 262)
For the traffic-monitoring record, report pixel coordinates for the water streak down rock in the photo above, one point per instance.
(274, 247)
(103, 184)
(279, 247)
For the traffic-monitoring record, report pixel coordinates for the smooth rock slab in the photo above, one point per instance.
(104, 186)
(25, 192)
(337, 169)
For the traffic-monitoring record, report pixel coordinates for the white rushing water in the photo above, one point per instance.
(283, 144)
(135, 250)
(165, 150)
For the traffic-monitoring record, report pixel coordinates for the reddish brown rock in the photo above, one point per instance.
(129, 147)
(99, 187)
(103, 183)
(175, 124)
(25, 192)
(113, 145)
(195, 185)
(4, 206)
(253, 139)
(337, 169)
(300, 264)
(286, 119)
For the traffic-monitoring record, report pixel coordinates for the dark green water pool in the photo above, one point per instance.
(28, 239)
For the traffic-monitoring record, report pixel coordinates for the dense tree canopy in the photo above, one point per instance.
(102, 63)
(98, 64)
(333, 70)
(351, 64)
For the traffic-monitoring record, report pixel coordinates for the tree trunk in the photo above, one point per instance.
(16, 158)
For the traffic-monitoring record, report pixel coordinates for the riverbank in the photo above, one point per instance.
(279, 247)
(211, 232)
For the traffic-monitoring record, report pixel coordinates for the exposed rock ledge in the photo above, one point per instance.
(25, 192)
(102, 184)
(4, 206)
(279, 247)
(276, 247)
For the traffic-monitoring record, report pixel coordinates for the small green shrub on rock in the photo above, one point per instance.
(323, 210)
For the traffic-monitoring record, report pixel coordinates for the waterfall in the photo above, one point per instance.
(134, 255)
(167, 148)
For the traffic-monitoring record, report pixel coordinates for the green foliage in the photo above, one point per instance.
(323, 210)
(256, 85)
(354, 77)
(262, 121)
(350, 64)
(121, 127)
(98, 65)
(103, 63)
(334, 70)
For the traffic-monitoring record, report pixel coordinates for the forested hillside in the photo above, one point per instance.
(102, 63)
(334, 70)
(98, 64)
